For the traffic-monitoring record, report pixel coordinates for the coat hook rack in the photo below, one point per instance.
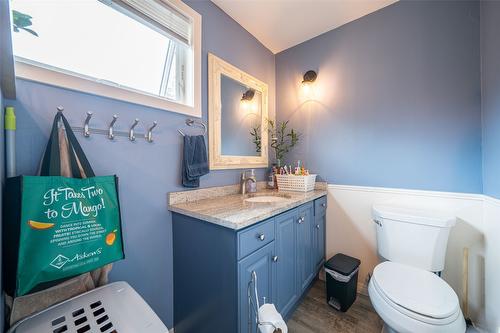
(111, 132)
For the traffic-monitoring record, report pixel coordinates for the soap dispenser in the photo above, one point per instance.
(252, 186)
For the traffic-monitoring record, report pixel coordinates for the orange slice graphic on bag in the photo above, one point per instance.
(111, 237)
(40, 225)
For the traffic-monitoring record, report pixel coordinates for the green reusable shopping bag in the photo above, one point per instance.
(58, 227)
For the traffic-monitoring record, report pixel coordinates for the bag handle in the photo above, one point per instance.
(51, 163)
(77, 149)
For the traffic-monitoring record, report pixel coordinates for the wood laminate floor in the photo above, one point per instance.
(313, 315)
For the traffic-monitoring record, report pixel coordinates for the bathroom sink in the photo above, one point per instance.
(267, 199)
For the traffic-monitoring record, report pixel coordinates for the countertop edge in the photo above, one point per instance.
(251, 221)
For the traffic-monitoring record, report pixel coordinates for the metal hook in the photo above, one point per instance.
(111, 135)
(86, 128)
(131, 135)
(149, 135)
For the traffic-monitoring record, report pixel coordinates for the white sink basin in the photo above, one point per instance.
(266, 199)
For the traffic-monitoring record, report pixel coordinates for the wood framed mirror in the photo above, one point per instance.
(237, 117)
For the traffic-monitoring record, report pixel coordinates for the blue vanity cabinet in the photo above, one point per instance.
(286, 290)
(213, 265)
(319, 232)
(261, 261)
(205, 270)
(303, 236)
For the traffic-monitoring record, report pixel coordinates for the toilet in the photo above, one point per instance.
(406, 290)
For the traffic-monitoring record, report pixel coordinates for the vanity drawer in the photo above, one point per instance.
(255, 237)
(320, 206)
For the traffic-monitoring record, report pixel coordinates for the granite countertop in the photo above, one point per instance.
(224, 206)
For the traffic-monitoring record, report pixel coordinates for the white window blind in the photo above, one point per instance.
(160, 15)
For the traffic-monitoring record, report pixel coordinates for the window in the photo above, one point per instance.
(142, 51)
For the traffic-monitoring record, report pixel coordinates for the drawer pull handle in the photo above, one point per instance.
(323, 204)
(275, 258)
(317, 226)
(261, 237)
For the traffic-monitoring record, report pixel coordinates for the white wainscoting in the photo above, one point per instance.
(491, 290)
(350, 230)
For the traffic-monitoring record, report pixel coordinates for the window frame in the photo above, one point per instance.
(43, 73)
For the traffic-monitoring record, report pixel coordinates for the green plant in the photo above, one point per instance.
(257, 140)
(22, 21)
(282, 141)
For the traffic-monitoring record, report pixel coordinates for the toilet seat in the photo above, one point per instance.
(414, 300)
(423, 294)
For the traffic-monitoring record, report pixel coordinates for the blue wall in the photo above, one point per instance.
(397, 101)
(490, 75)
(147, 171)
(2, 179)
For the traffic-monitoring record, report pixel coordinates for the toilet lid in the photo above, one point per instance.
(416, 290)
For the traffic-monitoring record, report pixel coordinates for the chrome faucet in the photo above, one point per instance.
(245, 179)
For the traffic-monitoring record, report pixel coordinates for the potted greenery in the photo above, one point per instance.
(282, 140)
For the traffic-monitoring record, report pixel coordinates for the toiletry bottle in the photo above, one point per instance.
(270, 178)
(252, 186)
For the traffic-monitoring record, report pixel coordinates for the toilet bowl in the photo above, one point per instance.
(404, 291)
(412, 300)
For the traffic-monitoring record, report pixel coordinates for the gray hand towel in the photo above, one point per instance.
(194, 161)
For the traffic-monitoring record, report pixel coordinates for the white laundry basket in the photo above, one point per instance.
(114, 308)
(296, 183)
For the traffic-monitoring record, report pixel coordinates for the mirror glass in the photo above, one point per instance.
(241, 116)
(237, 112)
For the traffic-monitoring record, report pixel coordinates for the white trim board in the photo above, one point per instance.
(425, 193)
(491, 200)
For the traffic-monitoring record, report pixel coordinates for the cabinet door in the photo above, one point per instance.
(304, 246)
(286, 261)
(261, 261)
(318, 232)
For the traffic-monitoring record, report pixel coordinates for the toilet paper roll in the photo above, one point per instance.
(271, 319)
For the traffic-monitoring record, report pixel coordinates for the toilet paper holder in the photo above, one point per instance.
(253, 304)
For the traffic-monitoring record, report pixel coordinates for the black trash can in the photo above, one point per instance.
(341, 281)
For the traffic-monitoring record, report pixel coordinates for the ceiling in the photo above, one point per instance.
(281, 24)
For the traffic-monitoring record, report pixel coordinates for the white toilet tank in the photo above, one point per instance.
(414, 237)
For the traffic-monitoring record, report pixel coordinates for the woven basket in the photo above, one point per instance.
(296, 183)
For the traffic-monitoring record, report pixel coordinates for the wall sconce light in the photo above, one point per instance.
(309, 77)
(246, 100)
(307, 83)
(248, 95)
